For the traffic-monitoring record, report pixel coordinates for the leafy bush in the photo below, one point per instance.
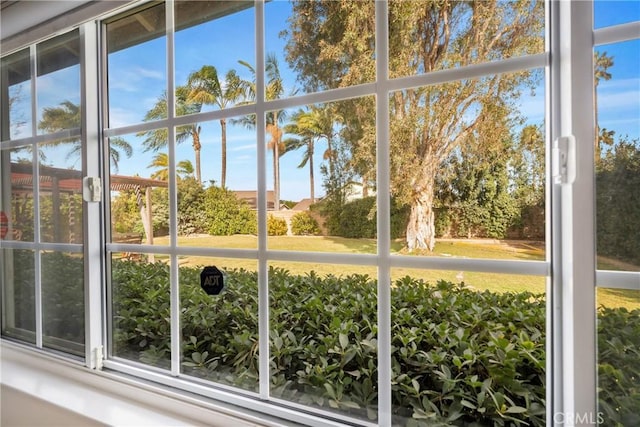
(303, 224)
(358, 219)
(62, 298)
(618, 202)
(458, 356)
(192, 217)
(619, 366)
(276, 226)
(226, 215)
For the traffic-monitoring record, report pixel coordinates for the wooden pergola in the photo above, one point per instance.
(57, 181)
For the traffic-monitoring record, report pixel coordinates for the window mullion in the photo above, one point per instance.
(36, 198)
(384, 221)
(263, 279)
(176, 351)
(92, 219)
(573, 221)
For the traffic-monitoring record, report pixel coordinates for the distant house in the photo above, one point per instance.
(251, 197)
(355, 190)
(302, 205)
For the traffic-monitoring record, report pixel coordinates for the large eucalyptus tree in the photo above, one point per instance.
(331, 44)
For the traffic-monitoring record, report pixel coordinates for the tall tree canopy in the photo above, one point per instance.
(158, 139)
(68, 116)
(205, 87)
(426, 123)
(274, 89)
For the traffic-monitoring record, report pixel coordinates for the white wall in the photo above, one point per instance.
(21, 409)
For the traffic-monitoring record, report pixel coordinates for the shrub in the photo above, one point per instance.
(303, 224)
(618, 366)
(226, 215)
(191, 211)
(459, 356)
(276, 226)
(358, 219)
(618, 202)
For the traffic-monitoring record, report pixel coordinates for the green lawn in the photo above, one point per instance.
(446, 248)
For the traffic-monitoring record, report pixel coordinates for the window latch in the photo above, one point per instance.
(563, 160)
(98, 358)
(92, 189)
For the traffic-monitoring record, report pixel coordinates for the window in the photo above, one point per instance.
(271, 174)
(375, 185)
(42, 197)
(617, 150)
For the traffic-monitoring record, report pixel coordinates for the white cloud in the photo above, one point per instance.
(619, 101)
(148, 73)
(121, 117)
(619, 94)
(132, 80)
(244, 147)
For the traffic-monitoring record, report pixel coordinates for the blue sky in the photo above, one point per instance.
(619, 98)
(138, 77)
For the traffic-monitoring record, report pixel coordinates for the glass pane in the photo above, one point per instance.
(139, 166)
(617, 173)
(217, 198)
(320, 45)
(136, 46)
(17, 193)
(220, 331)
(467, 348)
(323, 337)
(468, 168)
(140, 309)
(215, 42)
(16, 96)
(425, 36)
(18, 294)
(58, 83)
(618, 331)
(325, 177)
(613, 12)
(61, 204)
(617, 83)
(63, 301)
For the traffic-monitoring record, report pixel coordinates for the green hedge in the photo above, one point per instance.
(358, 218)
(276, 226)
(303, 224)
(458, 356)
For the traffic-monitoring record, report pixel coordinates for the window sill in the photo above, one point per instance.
(112, 399)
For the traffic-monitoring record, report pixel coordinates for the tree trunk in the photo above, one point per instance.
(421, 233)
(276, 175)
(223, 173)
(197, 146)
(312, 192)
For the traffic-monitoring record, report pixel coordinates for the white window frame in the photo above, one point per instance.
(571, 290)
(37, 245)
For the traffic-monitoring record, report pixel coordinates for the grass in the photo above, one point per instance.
(489, 249)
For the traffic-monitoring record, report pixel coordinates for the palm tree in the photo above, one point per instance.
(310, 125)
(273, 90)
(68, 116)
(204, 87)
(157, 139)
(601, 63)
(184, 168)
